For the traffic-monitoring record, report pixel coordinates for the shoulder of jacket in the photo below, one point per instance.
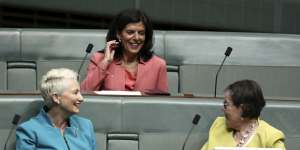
(158, 59)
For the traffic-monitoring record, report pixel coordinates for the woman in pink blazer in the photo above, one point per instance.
(127, 62)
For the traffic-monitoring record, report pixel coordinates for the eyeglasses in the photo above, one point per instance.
(227, 104)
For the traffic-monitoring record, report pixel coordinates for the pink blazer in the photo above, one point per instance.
(151, 75)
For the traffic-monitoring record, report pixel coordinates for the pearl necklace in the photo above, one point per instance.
(244, 137)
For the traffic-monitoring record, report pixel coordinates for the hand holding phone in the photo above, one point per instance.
(110, 51)
(114, 45)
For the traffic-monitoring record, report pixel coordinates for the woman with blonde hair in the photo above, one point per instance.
(57, 126)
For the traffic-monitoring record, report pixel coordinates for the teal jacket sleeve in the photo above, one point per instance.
(25, 140)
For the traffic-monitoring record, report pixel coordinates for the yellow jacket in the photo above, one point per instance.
(265, 136)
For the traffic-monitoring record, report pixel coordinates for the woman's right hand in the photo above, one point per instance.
(109, 51)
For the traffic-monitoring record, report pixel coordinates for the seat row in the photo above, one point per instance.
(147, 123)
(193, 58)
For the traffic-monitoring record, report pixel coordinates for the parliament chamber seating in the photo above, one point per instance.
(192, 58)
(153, 122)
(159, 123)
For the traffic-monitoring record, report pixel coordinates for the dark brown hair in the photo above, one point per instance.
(248, 94)
(119, 23)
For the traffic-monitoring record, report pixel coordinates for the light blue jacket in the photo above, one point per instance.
(39, 134)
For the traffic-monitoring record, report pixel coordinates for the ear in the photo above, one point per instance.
(56, 98)
(241, 109)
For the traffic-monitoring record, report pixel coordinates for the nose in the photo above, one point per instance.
(223, 109)
(136, 35)
(80, 97)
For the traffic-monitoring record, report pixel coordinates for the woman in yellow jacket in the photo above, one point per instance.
(241, 126)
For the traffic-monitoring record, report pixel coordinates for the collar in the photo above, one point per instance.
(119, 62)
(72, 128)
(43, 115)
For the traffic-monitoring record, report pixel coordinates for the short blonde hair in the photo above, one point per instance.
(54, 82)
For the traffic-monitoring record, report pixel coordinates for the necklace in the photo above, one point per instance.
(243, 137)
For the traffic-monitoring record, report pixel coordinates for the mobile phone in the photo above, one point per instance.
(115, 45)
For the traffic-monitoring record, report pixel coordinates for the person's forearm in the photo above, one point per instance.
(94, 79)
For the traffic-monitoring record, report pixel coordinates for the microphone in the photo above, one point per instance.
(195, 122)
(15, 122)
(227, 53)
(87, 50)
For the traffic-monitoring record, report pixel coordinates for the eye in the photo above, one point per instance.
(130, 32)
(141, 32)
(75, 92)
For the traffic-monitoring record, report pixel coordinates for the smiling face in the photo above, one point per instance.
(71, 98)
(132, 38)
(231, 112)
